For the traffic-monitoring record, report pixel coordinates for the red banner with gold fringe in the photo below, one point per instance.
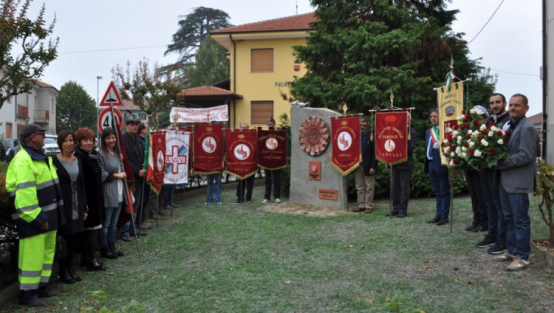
(208, 148)
(156, 161)
(241, 154)
(346, 143)
(391, 137)
(272, 149)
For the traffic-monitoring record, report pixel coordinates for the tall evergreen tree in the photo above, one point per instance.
(75, 108)
(210, 64)
(361, 51)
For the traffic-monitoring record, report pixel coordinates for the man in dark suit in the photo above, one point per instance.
(364, 175)
(517, 179)
(401, 176)
(438, 174)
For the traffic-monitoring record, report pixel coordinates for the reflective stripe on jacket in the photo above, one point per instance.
(34, 191)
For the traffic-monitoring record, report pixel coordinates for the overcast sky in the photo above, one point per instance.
(510, 43)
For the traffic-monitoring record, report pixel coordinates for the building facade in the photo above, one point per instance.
(37, 106)
(263, 65)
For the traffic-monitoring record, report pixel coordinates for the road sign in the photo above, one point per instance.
(111, 97)
(105, 119)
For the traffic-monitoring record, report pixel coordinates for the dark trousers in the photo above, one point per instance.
(441, 189)
(89, 243)
(496, 220)
(245, 186)
(478, 203)
(66, 262)
(168, 195)
(274, 176)
(400, 190)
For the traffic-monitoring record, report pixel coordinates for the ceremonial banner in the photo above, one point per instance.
(208, 148)
(391, 137)
(197, 115)
(156, 161)
(450, 99)
(241, 153)
(272, 149)
(176, 157)
(346, 144)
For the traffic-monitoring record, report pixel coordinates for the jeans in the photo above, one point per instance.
(168, 195)
(214, 188)
(109, 226)
(126, 229)
(441, 189)
(497, 220)
(516, 212)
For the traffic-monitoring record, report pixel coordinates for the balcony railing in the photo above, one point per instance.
(42, 116)
(22, 111)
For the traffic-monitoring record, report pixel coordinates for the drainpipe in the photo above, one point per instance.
(544, 80)
(235, 78)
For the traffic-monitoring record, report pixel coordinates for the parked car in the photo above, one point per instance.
(51, 145)
(11, 146)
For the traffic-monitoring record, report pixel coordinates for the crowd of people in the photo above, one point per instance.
(72, 201)
(499, 195)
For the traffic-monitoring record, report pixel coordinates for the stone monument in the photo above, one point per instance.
(313, 180)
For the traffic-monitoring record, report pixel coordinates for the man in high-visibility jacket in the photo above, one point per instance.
(34, 191)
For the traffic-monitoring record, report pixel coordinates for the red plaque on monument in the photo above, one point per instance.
(329, 194)
(315, 170)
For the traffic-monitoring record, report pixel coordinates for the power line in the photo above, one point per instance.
(490, 18)
(515, 73)
(116, 49)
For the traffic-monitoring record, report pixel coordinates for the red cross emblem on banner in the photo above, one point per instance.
(175, 160)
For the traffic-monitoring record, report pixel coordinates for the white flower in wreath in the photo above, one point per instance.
(469, 131)
(475, 133)
(464, 149)
(479, 112)
(472, 111)
(455, 133)
(477, 153)
(500, 141)
(464, 155)
(445, 141)
(471, 144)
(491, 134)
(483, 126)
(484, 142)
(452, 154)
(459, 139)
(451, 163)
(460, 117)
(494, 128)
(458, 150)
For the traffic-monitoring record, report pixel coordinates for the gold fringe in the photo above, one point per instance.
(393, 163)
(348, 171)
(272, 169)
(242, 177)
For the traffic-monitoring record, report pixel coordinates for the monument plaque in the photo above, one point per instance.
(315, 170)
(328, 194)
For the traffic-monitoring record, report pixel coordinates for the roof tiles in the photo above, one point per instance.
(297, 22)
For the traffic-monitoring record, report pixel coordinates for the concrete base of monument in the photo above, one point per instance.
(303, 209)
(314, 181)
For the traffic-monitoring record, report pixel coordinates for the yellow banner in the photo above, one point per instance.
(450, 107)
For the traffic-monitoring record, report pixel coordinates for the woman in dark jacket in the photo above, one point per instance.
(95, 199)
(70, 174)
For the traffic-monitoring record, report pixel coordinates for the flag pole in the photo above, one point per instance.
(390, 180)
(126, 191)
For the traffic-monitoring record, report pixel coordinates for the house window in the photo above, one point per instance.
(261, 60)
(9, 130)
(260, 111)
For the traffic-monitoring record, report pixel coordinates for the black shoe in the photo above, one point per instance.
(497, 249)
(106, 253)
(65, 277)
(442, 221)
(434, 220)
(126, 238)
(115, 251)
(487, 242)
(391, 214)
(472, 226)
(45, 292)
(30, 299)
(479, 229)
(94, 265)
(76, 277)
(402, 215)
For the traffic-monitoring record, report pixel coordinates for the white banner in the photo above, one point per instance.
(177, 158)
(190, 115)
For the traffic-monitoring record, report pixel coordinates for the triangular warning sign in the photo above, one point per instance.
(111, 97)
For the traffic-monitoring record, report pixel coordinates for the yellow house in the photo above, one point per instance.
(262, 66)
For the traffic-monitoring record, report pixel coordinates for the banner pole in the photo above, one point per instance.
(452, 173)
(390, 194)
(158, 210)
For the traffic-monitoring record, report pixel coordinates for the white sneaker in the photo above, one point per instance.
(504, 257)
(265, 201)
(277, 200)
(518, 264)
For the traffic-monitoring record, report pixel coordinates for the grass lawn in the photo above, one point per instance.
(236, 258)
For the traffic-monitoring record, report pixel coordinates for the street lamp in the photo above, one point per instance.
(98, 78)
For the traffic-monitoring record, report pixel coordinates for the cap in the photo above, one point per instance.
(30, 129)
(130, 118)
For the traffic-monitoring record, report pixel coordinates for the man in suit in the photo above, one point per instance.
(364, 175)
(438, 174)
(401, 176)
(495, 240)
(517, 179)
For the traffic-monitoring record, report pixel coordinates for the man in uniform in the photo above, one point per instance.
(35, 193)
(364, 175)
